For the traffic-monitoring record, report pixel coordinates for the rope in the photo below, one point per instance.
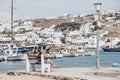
(19, 9)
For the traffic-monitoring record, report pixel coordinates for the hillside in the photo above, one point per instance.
(44, 23)
(111, 26)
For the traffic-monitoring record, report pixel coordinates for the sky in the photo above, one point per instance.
(35, 9)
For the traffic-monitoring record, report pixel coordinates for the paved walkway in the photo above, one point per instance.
(88, 73)
(83, 73)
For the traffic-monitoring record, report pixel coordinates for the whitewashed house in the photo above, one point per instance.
(112, 41)
(5, 27)
(50, 33)
(55, 41)
(73, 33)
(28, 23)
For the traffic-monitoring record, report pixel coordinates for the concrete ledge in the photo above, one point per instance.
(56, 77)
(75, 74)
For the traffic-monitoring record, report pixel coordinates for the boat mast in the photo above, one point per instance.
(12, 34)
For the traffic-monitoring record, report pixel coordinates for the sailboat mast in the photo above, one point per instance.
(12, 38)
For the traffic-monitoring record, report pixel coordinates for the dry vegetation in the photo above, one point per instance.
(114, 31)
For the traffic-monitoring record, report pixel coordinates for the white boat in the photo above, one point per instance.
(68, 52)
(90, 53)
(70, 55)
(55, 56)
(10, 50)
(80, 51)
(2, 57)
(15, 57)
(8, 54)
(55, 53)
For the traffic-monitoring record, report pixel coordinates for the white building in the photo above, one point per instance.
(50, 33)
(55, 41)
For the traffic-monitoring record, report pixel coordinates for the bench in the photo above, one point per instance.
(44, 67)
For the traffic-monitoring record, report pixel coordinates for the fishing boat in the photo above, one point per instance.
(68, 53)
(10, 50)
(55, 56)
(23, 49)
(111, 49)
(81, 51)
(15, 57)
(90, 53)
(2, 57)
(8, 54)
(55, 53)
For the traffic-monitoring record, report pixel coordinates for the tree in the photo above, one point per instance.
(63, 40)
(96, 28)
(108, 40)
(94, 23)
(118, 43)
(69, 25)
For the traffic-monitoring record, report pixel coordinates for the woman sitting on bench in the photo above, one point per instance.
(38, 58)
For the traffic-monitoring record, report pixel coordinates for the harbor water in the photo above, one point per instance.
(106, 60)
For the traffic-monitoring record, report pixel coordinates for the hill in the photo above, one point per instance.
(111, 26)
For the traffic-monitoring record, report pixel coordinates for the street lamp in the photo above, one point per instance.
(97, 8)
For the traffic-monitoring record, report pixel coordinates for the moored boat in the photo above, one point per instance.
(8, 54)
(70, 55)
(15, 57)
(116, 65)
(12, 57)
(111, 49)
(55, 56)
(90, 53)
(69, 52)
(2, 57)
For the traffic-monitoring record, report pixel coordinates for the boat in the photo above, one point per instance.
(116, 65)
(81, 51)
(68, 52)
(23, 49)
(16, 57)
(11, 57)
(55, 53)
(8, 54)
(111, 49)
(10, 50)
(2, 57)
(70, 55)
(90, 53)
(55, 56)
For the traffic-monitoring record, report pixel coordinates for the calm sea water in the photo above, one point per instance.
(106, 60)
